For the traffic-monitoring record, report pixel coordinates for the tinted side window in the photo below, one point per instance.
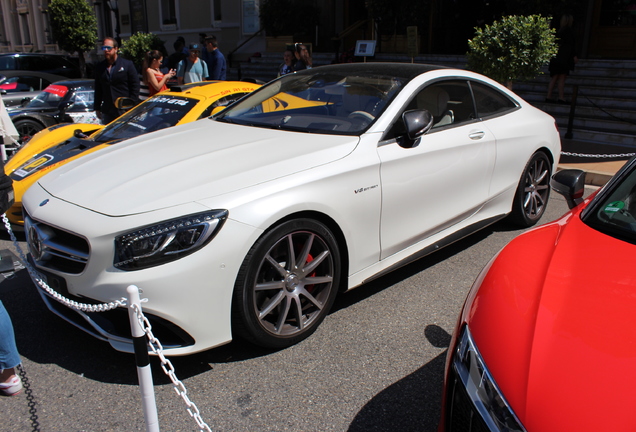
(7, 63)
(490, 101)
(84, 99)
(450, 102)
(28, 83)
(59, 63)
(34, 63)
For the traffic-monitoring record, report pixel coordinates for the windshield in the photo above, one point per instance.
(615, 213)
(156, 113)
(50, 97)
(330, 103)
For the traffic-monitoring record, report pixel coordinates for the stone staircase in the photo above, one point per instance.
(605, 104)
(605, 110)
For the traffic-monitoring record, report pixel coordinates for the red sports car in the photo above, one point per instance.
(546, 340)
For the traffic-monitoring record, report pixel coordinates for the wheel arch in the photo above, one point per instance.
(335, 229)
(548, 153)
(36, 119)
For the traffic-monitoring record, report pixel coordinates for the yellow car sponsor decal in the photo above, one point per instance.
(33, 165)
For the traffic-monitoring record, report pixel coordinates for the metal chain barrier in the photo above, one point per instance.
(57, 296)
(35, 424)
(153, 342)
(168, 368)
(601, 156)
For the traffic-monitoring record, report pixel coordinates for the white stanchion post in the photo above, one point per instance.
(144, 373)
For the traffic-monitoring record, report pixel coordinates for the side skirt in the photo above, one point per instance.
(452, 238)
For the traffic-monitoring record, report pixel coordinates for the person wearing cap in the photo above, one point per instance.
(115, 77)
(192, 68)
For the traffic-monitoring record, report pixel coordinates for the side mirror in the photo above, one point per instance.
(3, 92)
(571, 184)
(417, 123)
(125, 103)
(78, 133)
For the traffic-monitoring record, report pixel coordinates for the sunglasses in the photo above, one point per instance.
(107, 48)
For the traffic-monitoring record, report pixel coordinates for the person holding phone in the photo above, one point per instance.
(152, 75)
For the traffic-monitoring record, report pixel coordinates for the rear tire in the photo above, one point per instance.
(286, 284)
(533, 191)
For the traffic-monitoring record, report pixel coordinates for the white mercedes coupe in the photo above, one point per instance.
(250, 222)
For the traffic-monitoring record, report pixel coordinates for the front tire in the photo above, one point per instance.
(27, 128)
(533, 191)
(286, 284)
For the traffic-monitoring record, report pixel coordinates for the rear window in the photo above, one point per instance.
(491, 102)
(50, 97)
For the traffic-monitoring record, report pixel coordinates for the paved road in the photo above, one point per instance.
(375, 364)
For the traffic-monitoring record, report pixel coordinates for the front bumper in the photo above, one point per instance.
(188, 300)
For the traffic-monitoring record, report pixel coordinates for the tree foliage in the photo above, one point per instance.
(512, 48)
(136, 46)
(74, 27)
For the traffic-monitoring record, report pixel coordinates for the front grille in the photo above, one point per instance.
(54, 248)
(461, 414)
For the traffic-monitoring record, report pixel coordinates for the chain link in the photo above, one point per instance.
(35, 277)
(153, 342)
(168, 368)
(601, 156)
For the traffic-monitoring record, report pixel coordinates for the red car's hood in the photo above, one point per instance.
(554, 322)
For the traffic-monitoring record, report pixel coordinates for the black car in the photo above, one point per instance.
(51, 63)
(70, 101)
(18, 87)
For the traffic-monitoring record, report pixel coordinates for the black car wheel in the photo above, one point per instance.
(286, 284)
(533, 191)
(27, 128)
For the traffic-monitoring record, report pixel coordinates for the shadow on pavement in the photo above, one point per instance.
(44, 338)
(413, 402)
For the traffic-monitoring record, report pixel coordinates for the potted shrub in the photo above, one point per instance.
(513, 48)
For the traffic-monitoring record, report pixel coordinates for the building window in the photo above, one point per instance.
(25, 29)
(168, 10)
(217, 16)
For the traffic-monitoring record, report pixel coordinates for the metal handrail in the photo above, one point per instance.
(229, 56)
(350, 29)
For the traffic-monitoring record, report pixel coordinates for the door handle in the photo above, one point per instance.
(475, 135)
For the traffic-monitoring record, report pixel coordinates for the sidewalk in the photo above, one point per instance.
(596, 173)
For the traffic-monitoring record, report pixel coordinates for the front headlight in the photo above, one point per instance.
(481, 387)
(167, 241)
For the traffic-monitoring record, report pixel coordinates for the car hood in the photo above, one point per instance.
(560, 340)
(188, 163)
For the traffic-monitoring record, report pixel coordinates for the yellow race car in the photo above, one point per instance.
(59, 144)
